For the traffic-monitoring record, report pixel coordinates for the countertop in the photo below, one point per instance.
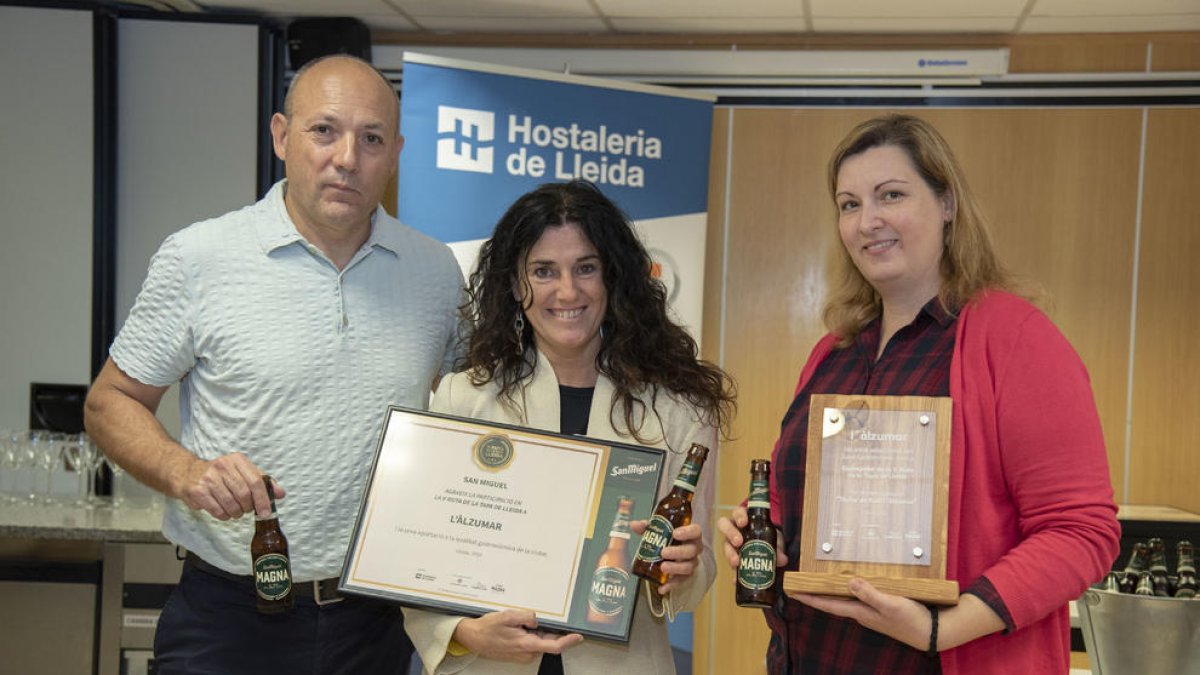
(1155, 513)
(142, 524)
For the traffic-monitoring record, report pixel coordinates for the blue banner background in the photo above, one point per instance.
(458, 205)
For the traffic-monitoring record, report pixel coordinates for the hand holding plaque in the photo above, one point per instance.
(875, 497)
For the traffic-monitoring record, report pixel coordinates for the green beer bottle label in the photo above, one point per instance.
(760, 494)
(689, 475)
(610, 587)
(658, 535)
(272, 577)
(756, 571)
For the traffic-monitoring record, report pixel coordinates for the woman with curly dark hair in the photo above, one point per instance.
(570, 333)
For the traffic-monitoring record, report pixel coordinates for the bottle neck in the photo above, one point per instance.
(760, 495)
(689, 475)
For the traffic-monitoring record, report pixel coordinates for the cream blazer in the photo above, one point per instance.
(675, 428)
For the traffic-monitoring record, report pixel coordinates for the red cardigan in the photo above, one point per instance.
(1031, 501)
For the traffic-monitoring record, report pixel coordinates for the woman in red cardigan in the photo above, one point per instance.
(925, 308)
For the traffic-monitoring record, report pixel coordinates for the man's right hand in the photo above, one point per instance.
(226, 487)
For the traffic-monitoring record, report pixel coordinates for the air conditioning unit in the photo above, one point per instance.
(728, 67)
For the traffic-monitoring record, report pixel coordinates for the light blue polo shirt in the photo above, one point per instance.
(290, 361)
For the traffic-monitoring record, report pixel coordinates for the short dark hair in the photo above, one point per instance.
(287, 99)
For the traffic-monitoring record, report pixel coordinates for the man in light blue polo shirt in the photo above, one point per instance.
(291, 324)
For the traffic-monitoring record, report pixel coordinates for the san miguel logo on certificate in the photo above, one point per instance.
(469, 517)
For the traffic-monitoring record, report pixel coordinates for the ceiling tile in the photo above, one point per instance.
(1059, 8)
(913, 25)
(1112, 24)
(710, 25)
(498, 8)
(936, 9)
(514, 24)
(683, 10)
(387, 22)
(308, 7)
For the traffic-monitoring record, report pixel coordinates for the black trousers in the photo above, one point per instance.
(210, 625)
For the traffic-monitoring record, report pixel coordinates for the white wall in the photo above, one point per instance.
(187, 145)
(45, 203)
(186, 141)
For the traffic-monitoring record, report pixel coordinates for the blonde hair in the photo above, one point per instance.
(969, 264)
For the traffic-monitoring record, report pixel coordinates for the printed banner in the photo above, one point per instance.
(478, 136)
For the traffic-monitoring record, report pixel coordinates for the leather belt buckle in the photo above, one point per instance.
(325, 592)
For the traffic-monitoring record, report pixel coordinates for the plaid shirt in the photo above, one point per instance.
(915, 362)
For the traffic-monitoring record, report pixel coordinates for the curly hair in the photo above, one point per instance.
(642, 350)
(969, 263)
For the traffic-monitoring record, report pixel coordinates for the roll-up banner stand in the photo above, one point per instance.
(477, 136)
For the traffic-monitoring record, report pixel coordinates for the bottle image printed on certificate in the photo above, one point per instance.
(611, 582)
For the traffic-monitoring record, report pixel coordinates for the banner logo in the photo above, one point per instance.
(469, 129)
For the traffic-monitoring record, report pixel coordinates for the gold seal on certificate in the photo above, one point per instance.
(471, 517)
(876, 491)
(493, 452)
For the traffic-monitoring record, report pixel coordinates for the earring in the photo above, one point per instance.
(519, 326)
(602, 332)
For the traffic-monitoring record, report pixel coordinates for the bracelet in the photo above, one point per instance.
(456, 648)
(933, 622)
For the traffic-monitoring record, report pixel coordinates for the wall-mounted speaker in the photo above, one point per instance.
(314, 37)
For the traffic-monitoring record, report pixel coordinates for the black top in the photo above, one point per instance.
(576, 405)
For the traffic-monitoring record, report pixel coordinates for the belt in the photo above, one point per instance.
(320, 591)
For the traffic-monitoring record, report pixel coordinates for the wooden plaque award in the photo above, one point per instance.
(876, 490)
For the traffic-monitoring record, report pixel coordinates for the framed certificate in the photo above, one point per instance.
(470, 517)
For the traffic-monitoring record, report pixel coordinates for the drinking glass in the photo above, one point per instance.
(27, 447)
(49, 456)
(118, 480)
(80, 455)
(8, 468)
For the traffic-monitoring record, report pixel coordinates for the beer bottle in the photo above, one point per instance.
(272, 567)
(1145, 586)
(610, 581)
(1111, 583)
(756, 570)
(1158, 567)
(1139, 561)
(675, 510)
(1186, 570)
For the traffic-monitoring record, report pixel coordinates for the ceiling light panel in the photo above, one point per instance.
(709, 25)
(682, 10)
(498, 8)
(923, 9)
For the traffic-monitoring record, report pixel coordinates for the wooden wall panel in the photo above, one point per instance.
(1164, 464)
(1078, 53)
(1176, 51)
(1060, 187)
(710, 333)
